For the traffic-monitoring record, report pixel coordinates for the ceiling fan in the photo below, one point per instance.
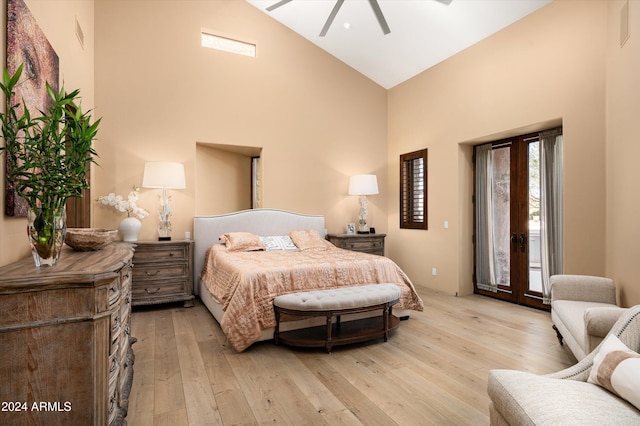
(374, 5)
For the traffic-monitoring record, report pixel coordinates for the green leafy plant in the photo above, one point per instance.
(48, 154)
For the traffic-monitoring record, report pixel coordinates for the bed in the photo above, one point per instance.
(238, 287)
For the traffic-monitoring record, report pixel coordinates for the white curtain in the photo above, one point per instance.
(551, 207)
(485, 259)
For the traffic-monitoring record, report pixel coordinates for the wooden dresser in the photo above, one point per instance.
(163, 272)
(65, 344)
(367, 243)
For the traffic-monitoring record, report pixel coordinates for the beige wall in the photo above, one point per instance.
(545, 69)
(230, 168)
(623, 152)
(317, 120)
(57, 21)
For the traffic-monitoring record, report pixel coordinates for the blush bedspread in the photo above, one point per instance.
(245, 283)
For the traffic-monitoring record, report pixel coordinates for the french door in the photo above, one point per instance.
(507, 221)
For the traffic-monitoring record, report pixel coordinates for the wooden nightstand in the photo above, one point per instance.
(367, 243)
(162, 272)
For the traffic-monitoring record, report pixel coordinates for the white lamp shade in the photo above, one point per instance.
(363, 185)
(159, 174)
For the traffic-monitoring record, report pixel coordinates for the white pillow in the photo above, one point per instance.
(279, 242)
(617, 369)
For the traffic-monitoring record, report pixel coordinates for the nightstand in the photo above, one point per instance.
(367, 243)
(163, 272)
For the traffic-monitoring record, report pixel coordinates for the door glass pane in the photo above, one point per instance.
(501, 169)
(535, 273)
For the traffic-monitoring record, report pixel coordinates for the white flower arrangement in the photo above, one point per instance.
(128, 206)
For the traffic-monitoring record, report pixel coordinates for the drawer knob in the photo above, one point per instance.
(152, 274)
(152, 291)
(170, 254)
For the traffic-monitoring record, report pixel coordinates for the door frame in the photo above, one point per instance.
(518, 289)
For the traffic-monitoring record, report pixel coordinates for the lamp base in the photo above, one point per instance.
(164, 238)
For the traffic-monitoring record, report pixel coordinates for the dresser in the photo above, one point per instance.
(65, 343)
(366, 243)
(163, 272)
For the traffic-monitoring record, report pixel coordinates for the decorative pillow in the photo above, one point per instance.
(278, 242)
(617, 369)
(309, 239)
(242, 241)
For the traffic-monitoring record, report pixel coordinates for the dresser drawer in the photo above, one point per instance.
(114, 370)
(114, 292)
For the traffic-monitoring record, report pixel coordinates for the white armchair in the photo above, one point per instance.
(522, 398)
(583, 310)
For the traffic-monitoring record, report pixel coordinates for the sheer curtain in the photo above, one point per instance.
(551, 207)
(485, 259)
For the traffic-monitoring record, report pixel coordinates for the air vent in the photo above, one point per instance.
(79, 33)
(624, 23)
(227, 44)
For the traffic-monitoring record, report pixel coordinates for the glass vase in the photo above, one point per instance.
(46, 230)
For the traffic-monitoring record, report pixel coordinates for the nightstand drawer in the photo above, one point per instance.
(363, 245)
(161, 253)
(158, 289)
(156, 271)
(162, 272)
(366, 243)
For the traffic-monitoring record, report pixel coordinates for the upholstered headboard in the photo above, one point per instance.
(262, 222)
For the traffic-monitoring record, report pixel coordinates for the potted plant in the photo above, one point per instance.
(48, 158)
(131, 225)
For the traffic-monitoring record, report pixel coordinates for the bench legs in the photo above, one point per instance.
(276, 333)
(385, 321)
(326, 337)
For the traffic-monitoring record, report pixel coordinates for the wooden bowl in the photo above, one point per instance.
(89, 239)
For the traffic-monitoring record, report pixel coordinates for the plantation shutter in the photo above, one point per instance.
(413, 190)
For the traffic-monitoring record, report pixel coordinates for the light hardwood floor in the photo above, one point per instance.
(433, 369)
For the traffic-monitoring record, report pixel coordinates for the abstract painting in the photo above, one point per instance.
(27, 45)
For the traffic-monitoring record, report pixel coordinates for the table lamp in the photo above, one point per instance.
(165, 176)
(363, 185)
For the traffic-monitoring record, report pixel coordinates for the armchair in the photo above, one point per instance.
(565, 397)
(583, 310)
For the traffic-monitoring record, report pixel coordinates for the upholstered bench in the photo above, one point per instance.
(336, 302)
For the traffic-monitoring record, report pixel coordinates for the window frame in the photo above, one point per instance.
(407, 187)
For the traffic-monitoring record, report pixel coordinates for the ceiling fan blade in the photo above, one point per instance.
(378, 12)
(277, 5)
(445, 2)
(331, 17)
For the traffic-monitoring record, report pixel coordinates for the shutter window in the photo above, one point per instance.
(413, 190)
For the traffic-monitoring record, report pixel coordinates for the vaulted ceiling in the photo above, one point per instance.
(421, 34)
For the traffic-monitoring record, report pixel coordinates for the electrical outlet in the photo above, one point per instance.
(446, 224)
(433, 272)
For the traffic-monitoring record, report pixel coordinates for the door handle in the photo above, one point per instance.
(514, 242)
(523, 243)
